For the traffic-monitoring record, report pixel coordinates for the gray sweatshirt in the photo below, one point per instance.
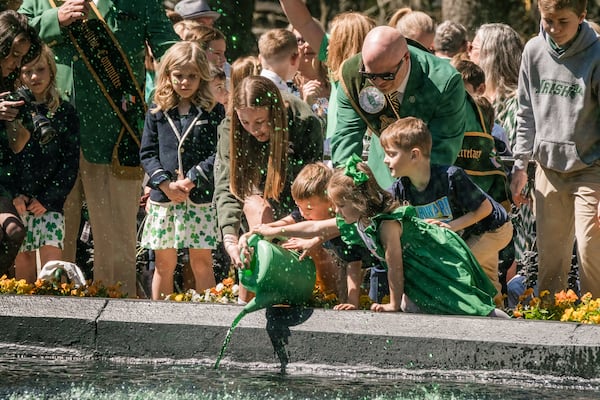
(558, 122)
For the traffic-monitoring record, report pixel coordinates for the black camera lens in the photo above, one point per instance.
(42, 129)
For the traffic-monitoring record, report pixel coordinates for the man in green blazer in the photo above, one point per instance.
(112, 201)
(427, 87)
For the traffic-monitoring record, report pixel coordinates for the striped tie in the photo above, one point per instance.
(394, 101)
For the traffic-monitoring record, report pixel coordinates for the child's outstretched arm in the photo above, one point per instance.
(472, 217)
(390, 235)
(326, 228)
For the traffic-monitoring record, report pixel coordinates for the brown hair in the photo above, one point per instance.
(243, 67)
(471, 72)
(14, 27)
(367, 197)
(406, 134)
(244, 150)
(277, 44)
(577, 6)
(178, 55)
(312, 181)
(348, 31)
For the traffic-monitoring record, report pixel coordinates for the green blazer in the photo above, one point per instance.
(133, 22)
(435, 93)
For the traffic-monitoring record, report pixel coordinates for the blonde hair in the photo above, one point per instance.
(312, 181)
(412, 24)
(177, 56)
(51, 95)
(368, 198)
(348, 31)
(186, 29)
(277, 44)
(406, 134)
(244, 151)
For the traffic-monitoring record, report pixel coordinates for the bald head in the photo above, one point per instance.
(383, 43)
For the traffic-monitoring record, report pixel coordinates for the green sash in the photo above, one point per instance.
(480, 161)
(109, 65)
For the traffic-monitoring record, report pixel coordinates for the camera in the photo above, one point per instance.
(37, 123)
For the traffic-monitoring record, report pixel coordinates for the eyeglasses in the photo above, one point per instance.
(386, 76)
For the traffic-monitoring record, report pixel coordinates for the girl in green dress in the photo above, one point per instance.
(430, 269)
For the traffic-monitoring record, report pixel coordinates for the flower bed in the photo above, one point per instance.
(563, 306)
(59, 288)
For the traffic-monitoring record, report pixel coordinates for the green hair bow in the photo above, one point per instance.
(350, 170)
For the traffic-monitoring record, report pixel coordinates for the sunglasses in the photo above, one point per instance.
(386, 76)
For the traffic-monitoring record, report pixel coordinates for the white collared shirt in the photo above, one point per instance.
(280, 83)
(402, 88)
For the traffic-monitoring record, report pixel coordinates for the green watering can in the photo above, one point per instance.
(276, 276)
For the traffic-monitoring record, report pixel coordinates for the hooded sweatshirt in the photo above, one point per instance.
(559, 96)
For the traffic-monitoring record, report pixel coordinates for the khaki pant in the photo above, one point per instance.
(112, 204)
(485, 248)
(566, 207)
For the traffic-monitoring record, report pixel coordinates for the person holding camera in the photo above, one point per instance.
(100, 45)
(18, 43)
(41, 192)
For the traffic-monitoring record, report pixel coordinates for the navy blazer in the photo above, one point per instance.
(162, 150)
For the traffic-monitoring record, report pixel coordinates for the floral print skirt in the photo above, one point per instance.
(46, 230)
(180, 226)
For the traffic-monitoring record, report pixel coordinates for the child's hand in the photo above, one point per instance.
(517, 184)
(175, 191)
(187, 183)
(345, 307)
(20, 203)
(301, 244)
(36, 208)
(382, 307)
(437, 222)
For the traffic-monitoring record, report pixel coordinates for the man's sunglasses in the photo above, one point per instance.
(386, 76)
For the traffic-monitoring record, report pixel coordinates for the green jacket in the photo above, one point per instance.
(306, 145)
(133, 22)
(435, 93)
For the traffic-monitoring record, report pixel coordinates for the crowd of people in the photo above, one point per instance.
(408, 158)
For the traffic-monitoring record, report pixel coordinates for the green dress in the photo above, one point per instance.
(441, 275)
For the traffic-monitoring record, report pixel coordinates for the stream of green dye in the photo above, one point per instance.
(235, 322)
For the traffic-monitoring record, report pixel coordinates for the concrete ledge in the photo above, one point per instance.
(145, 329)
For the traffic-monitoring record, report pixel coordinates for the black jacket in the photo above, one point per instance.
(162, 150)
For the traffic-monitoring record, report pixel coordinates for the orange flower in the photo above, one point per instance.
(228, 282)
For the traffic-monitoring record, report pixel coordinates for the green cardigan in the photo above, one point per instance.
(435, 93)
(133, 22)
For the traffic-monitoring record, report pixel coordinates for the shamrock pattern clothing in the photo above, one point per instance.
(441, 275)
(47, 229)
(179, 226)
